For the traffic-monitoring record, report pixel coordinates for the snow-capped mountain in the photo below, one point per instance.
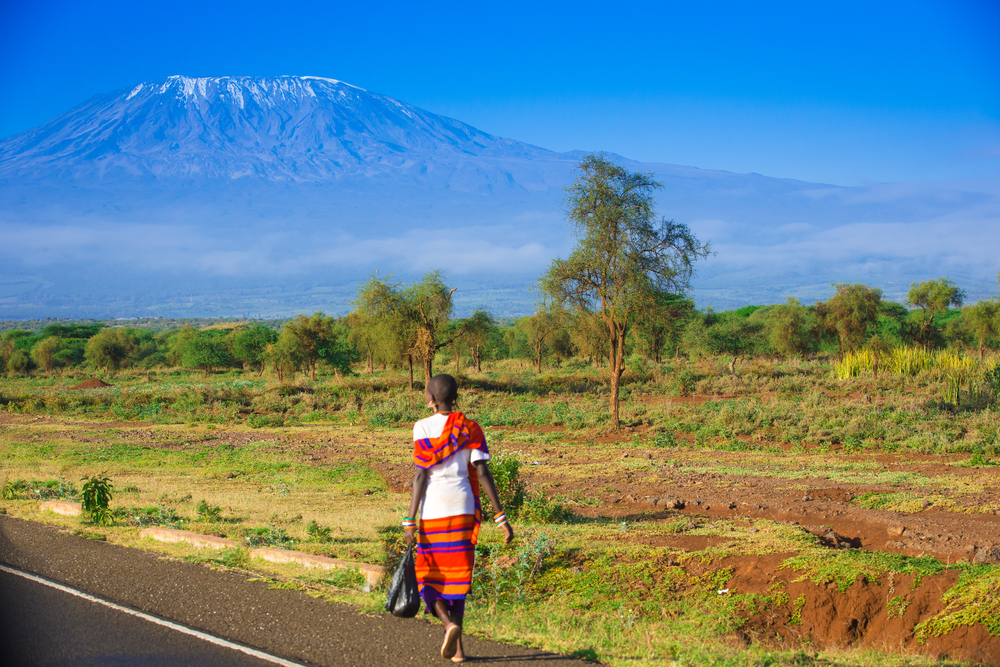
(303, 129)
(251, 195)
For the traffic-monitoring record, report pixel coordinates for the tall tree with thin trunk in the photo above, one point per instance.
(624, 256)
(933, 297)
(431, 299)
(417, 317)
(984, 320)
(481, 327)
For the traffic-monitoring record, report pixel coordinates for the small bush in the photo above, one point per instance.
(209, 512)
(268, 536)
(665, 439)
(96, 496)
(52, 489)
(150, 517)
(685, 382)
(539, 509)
(264, 421)
(317, 532)
(506, 470)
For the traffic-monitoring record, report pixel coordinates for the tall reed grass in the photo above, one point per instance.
(978, 381)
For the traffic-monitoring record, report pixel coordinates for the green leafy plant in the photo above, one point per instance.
(97, 495)
(317, 532)
(146, 517)
(897, 606)
(264, 421)
(209, 512)
(268, 536)
(539, 509)
(665, 439)
(506, 470)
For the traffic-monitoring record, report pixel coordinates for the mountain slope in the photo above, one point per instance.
(303, 129)
(234, 195)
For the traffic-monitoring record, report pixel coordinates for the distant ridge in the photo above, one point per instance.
(269, 196)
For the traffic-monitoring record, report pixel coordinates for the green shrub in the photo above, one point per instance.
(317, 532)
(268, 536)
(53, 489)
(539, 509)
(685, 382)
(665, 439)
(264, 421)
(149, 517)
(209, 512)
(96, 495)
(506, 470)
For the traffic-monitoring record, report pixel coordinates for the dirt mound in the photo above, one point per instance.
(884, 614)
(92, 383)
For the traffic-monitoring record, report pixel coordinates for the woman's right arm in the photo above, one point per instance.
(419, 487)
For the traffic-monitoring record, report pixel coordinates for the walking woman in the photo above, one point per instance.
(451, 457)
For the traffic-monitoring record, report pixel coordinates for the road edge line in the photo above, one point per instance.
(212, 639)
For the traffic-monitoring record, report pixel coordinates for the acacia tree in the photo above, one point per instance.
(432, 300)
(386, 322)
(849, 313)
(790, 330)
(315, 334)
(44, 352)
(624, 257)
(417, 315)
(984, 320)
(589, 337)
(481, 327)
(729, 334)
(933, 297)
(285, 355)
(249, 345)
(364, 336)
(539, 330)
(110, 349)
(656, 325)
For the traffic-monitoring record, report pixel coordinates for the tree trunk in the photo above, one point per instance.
(409, 361)
(981, 349)
(457, 359)
(428, 368)
(371, 362)
(616, 360)
(538, 359)
(479, 362)
(732, 365)
(875, 368)
(312, 367)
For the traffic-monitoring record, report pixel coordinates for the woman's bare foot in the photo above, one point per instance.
(459, 653)
(452, 638)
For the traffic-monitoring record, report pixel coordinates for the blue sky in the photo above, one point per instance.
(842, 93)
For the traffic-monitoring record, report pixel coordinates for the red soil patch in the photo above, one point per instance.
(859, 616)
(92, 383)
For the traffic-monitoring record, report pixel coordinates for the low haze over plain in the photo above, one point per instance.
(843, 93)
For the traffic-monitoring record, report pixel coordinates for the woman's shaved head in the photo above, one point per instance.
(443, 389)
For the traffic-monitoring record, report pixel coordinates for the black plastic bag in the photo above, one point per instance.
(404, 598)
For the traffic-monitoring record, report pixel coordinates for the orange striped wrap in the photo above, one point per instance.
(446, 547)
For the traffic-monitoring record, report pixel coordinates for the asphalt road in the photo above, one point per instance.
(44, 626)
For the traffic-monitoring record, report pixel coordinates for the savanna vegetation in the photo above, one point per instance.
(785, 485)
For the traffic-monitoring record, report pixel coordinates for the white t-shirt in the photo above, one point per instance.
(448, 490)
